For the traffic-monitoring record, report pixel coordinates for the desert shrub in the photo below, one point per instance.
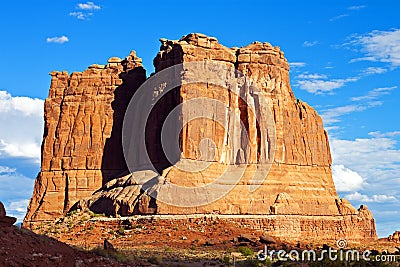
(121, 230)
(246, 251)
(95, 215)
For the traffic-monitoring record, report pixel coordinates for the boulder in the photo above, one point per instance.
(267, 239)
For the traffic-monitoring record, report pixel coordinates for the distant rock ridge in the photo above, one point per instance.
(83, 163)
(395, 237)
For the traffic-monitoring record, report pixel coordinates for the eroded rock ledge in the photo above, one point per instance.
(83, 163)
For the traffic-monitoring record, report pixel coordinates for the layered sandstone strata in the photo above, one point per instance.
(82, 147)
(281, 138)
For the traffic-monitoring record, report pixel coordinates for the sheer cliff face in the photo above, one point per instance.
(299, 181)
(82, 150)
(81, 146)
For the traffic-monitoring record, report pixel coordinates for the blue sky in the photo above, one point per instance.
(344, 55)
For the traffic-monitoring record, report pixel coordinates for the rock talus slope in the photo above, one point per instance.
(83, 164)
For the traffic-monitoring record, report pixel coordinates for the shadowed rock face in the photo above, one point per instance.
(83, 163)
(5, 221)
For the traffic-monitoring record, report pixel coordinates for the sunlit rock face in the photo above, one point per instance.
(238, 143)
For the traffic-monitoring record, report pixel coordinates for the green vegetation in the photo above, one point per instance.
(96, 215)
(246, 251)
(121, 231)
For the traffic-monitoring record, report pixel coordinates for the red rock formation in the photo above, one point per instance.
(294, 148)
(5, 221)
(395, 237)
(81, 146)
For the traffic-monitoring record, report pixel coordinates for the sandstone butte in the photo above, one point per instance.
(83, 163)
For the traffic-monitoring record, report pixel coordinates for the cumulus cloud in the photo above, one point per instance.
(374, 94)
(57, 40)
(374, 198)
(378, 46)
(86, 10)
(345, 179)
(320, 84)
(19, 116)
(88, 6)
(377, 160)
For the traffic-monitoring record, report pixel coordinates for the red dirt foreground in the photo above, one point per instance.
(21, 247)
(195, 241)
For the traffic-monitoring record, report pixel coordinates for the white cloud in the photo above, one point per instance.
(31, 150)
(339, 17)
(17, 209)
(374, 198)
(345, 179)
(15, 191)
(377, 160)
(374, 94)
(356, 7)
(320, 84)
(378, 134)
(310, 43)
(364, 102)
(57, 40)
(88, 6)
(379, 46)
(21, 130)
(5, 169)
(78, 15)
(374, 70)
(312, 76)
(367, 156)
(24, 105)
(297, 64)
(86, 10)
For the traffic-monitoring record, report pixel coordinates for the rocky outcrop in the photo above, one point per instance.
(5, 221)
(395, 237)
(82, 147)
(261, 128)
